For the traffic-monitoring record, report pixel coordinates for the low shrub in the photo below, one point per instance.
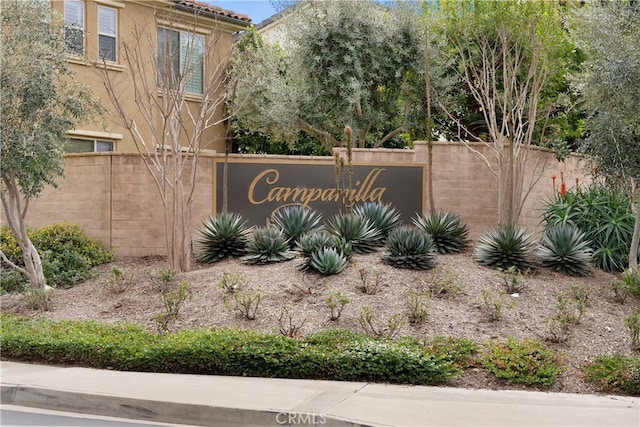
(334, 355)
(68, 254)
(603, 212)
(615, 374)
(525, 361)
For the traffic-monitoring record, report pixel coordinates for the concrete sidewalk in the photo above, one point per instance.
(235, 401)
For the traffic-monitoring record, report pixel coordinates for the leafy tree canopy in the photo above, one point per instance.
(40, 100)
(349, 71)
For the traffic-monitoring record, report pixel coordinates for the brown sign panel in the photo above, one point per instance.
(258, 189)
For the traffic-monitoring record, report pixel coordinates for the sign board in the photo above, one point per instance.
(257, 189)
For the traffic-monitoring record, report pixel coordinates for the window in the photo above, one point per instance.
(88, 146)
(107, 26)
(74, 26)
(180, 59)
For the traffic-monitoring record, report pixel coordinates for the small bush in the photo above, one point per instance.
(503, 248)
(632, 322)
(371, 323)
(244, 303)
(447, 229)
(631, 279)
(514, 281)
(336, 301)
(119, 281)
(224, 236)
(444, 284)
(12, 282)
(289, 323)
(604, 214)
(370, 280)
(417, 304)
(162, 280)
(615, 374)
(568, 313)
(495, 303)
(410, 247)
(172, 301)
(68, 254)
(37, 299)
(526, 361)
(564, 248)
(267, 245)
(232, 282)
(294, 221)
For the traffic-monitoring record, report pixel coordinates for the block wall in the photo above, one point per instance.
(114, 199)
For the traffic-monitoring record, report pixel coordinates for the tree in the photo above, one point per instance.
(40, 103)
(176, 103)
(351, 70)
(609, 33)
(507, 54)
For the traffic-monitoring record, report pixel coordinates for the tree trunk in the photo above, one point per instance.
(635, 241)
(15, 215)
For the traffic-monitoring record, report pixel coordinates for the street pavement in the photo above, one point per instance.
(204, 400)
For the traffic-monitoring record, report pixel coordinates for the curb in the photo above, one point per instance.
(160, 411)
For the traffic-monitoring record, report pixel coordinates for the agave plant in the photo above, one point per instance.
(294, 221)
(316, 241)
(410, 247)
(221, 237)
(383, 217)
(505, 247)
(447, 229)
(327, 261)
(357, 230)
(267, 245)
(565, 248)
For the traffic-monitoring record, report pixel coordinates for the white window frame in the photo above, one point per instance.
(73, 25)
(186, 39)
(109, 33)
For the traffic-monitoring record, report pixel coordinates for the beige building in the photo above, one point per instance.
(186, 38)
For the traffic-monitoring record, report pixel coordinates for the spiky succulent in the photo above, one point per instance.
(314, 242)
(383, 217)
(565, 248)
(295, 221)
(267, 245)
(356, 230)
(504, 247)
(410, 247)
(327, 261)
(222, 236)
(447, 229)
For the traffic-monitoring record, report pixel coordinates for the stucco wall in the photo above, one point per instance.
(113, 197)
